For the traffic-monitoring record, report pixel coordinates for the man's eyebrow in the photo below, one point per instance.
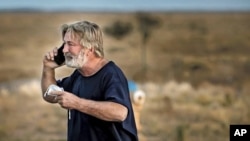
(69, 42)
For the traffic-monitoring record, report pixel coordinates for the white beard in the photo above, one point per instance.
(75, 61)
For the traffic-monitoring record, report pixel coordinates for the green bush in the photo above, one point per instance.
(118, 29)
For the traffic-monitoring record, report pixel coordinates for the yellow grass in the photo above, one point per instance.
(196, 83)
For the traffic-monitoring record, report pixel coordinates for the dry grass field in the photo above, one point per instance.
(196, 81)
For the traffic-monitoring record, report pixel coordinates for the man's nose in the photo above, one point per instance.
(66, 48)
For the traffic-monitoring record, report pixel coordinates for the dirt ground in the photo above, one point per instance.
(195, 79)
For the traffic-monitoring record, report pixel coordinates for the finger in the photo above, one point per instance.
(59, 101)
(55, 50)
(47, 56)
(59, 97)
(56, 93)
(56, 98)
(51, 54)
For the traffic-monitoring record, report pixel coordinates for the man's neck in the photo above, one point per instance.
(92, 66)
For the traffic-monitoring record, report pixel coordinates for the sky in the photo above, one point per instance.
(128, 5)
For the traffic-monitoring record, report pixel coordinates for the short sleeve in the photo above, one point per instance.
(116, 89)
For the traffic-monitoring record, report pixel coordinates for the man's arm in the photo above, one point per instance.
(48, 74)
(48, 78)
(105, 110)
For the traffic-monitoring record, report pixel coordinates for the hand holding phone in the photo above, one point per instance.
(60, 59)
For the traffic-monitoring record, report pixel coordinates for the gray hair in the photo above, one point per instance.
(89, 34)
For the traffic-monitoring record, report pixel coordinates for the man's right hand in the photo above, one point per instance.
(48, 73)
(48, 60)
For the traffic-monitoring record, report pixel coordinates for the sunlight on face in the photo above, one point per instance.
(73, 52)
(75, 61)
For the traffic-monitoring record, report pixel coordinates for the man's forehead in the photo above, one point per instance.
(69, 36)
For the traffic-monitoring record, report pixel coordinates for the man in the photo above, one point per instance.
(96, 95)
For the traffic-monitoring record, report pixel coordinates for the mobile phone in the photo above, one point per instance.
(60, 59)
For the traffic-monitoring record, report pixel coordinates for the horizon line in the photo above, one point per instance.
(42, 10)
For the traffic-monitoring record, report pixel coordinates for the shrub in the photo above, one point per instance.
(118, 29)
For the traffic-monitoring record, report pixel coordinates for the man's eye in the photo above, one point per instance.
(70, 44)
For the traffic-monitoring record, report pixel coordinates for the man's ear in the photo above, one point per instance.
(90, 50)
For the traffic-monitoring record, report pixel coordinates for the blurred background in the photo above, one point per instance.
(191, 58)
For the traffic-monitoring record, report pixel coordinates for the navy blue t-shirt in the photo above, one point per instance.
(108, 84)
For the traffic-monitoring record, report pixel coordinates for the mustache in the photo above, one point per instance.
(67, 54)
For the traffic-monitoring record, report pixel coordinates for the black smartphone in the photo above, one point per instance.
(60, 59)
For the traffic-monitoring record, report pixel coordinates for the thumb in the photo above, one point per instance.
(56, 93)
